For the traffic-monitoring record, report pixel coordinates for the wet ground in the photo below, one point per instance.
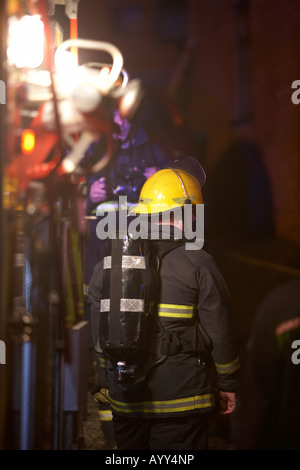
(251, 269)
(92, 432)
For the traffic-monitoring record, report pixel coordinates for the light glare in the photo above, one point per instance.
(26, 41)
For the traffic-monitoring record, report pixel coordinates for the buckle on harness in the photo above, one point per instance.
(125, 372)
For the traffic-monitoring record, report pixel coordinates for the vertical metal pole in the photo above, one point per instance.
(27, 397)
(3, 336)
(28, 368)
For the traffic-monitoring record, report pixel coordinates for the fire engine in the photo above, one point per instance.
(52, 110)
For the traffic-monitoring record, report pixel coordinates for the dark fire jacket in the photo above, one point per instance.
(191, 289)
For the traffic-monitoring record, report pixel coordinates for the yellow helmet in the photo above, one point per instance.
(167, 189)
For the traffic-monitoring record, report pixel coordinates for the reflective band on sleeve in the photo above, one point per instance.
(105, 415)
(175, 311)
(168, 406)
(128, 262)
(288, 325)
(101, 361)
(228, 368)
(85, 289)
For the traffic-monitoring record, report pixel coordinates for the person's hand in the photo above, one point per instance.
(98, 190)
(227, 402)
(150, 171)
(102, 397)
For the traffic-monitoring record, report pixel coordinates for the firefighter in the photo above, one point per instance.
(268, 409)
(133, 161)
(197, 366)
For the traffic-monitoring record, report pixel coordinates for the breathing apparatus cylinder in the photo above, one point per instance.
(126, 305)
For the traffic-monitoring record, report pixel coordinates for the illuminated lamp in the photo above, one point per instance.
(26, 41)
(27, 141)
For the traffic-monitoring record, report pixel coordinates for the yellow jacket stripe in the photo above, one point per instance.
(105, 415)
(85, 289)
(168, 406)
(101, 361)
(228, 368)
(175, 311)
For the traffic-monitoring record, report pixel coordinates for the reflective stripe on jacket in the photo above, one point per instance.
(168, 406)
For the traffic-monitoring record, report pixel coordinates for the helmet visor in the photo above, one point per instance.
(191, 166)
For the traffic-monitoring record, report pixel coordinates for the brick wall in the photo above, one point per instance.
(274, 127)
(214, 99)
